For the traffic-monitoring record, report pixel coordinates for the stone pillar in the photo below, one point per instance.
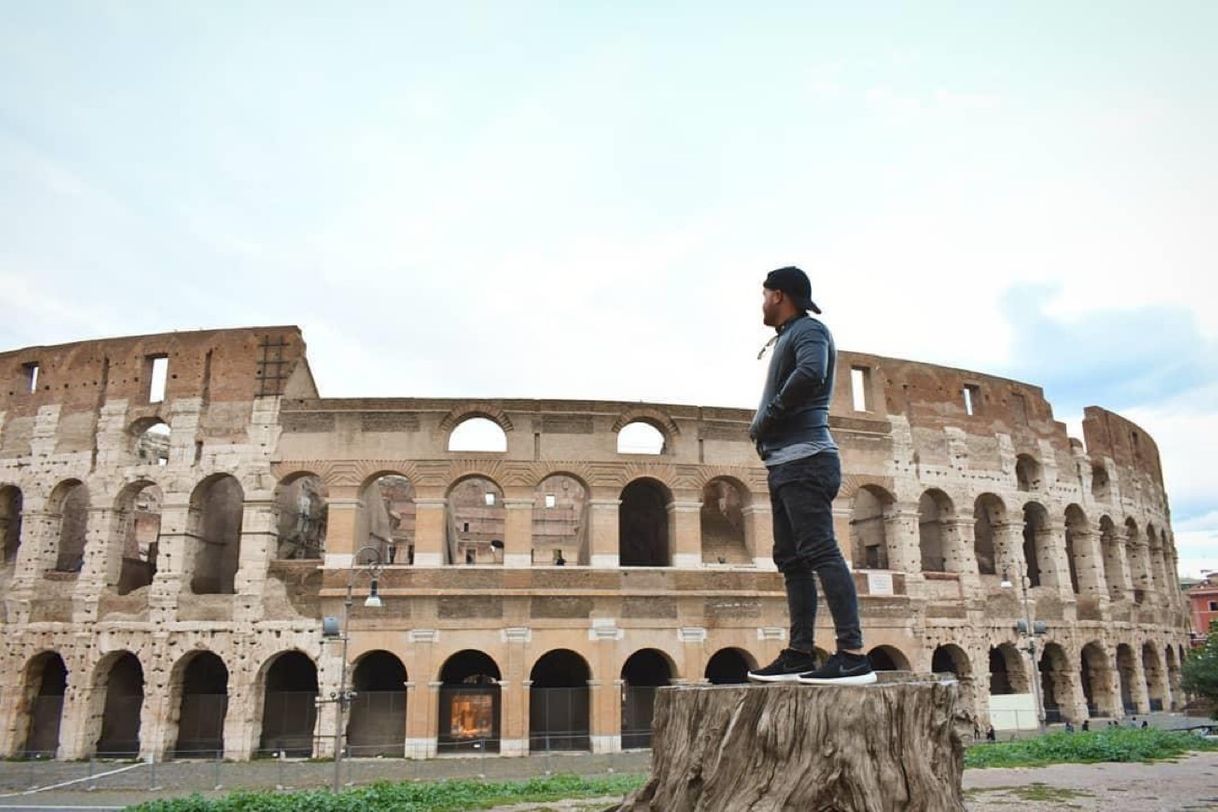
(259, 543)
(1050, 545)
(14, 714)
(423, 707)
(1008, 549)
(1120, 585)
(102, 563)
(901, 534)
(685, 533)
(514, 694)
(1089, 565)
(1140, 567)
(1137, 685)
(241, 729)
(603, 531)
(176, 550)
(430, 531)
(759, 534)
(605, 709)
(330, 669)
(518, 528)
(841, 528)
(343, 528)
(696, 656)
(1073, 702)
(959, 553)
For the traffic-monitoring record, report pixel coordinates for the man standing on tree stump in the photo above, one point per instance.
(791, 431)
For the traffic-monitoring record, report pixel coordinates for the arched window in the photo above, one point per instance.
(934, 510)
(723, 523)
(1027, 473)
(1055, 685)
(643, 537)
(139, 515)
(289, 708)
(303, 513)
(1096, 678)
(377, 725)
(476, 522)
(151, 442)
(202, 688)
(119, 684)
(477, 434)
(1036, 541)
(560, 522)
(387, 518)
(869, 528)
(216, 509)
(888, 658)
(1076, 529)
(10, 521)
(988, 514)
(558, 702)
(46, 682)
(640, 437)
(70, 502)
(469, 702)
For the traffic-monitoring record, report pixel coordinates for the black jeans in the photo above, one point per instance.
(801, 494)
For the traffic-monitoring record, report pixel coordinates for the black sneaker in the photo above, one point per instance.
(841, 669)
(786, 667)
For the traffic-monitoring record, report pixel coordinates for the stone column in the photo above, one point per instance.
(693, 639)
(1089, 565)
(518, 528)
(176, 551)
(1050, 548)
(603, 531)
(1140, 567)
(1137, 685)
(240, 731)
(959, 553)
(103, 560)
(685, 533)
(514, 694)
(1120, 585)
(901, 534)
(343, 507)
(259, 544)
(841, 528)
(759, 534)
(422, 709)
(14, 714)
(605, 708)
(1008, 549)
(430, 531)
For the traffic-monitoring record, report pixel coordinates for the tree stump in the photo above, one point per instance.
(887, 746)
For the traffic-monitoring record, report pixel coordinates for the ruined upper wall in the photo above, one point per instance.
(223, 365)
(1109, 435)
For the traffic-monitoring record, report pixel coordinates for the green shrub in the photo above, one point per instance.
(439, 796)
(1115, 744)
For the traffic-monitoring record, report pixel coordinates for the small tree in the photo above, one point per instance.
(1200, 670)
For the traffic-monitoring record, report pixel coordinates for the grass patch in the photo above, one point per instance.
(1116, 744)
(438, 796)
(1035, 791)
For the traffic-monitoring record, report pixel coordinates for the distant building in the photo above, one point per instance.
(1203, 600)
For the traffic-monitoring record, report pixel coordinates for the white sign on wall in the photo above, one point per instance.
(879, 583)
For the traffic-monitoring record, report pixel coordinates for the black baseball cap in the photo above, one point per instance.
(793, 282)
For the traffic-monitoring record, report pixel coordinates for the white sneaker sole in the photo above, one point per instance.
(763, 678)
(861, 679)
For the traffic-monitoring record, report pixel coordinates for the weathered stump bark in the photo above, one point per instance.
(887, 746)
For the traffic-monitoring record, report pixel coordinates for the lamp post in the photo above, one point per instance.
(373, 568)
(1030, 630)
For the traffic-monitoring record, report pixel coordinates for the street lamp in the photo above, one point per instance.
(1029, 629)
(373, 568)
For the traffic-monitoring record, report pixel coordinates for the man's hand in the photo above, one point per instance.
(766, 418)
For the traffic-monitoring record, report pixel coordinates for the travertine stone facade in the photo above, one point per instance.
(533, 597)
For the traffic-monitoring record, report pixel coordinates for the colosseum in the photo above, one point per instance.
(185, 521)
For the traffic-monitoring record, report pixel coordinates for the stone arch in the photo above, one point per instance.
(386, 516)
(44, 685)
(464, 411)
(642, 674)
(1160, 576)
(1128, 675)
(288, 683)
(68, 510)
(478, 434)
(660, 420)
(888, 658)
(137, 516)
(1096, 675)
(869, 537)
(1077, 529)
(1056, 688)
(949, 658)
(1037, 541)
(989, 513)
(216, 513)
(561, 505)
(1138, 555)
(1008, 674)
(642, 437)
(11, 504)
(1029, 475)
(476, 521)
(1157, 688)
(150, 441)
(559, 702)
(301, 515)
(469, 705)
(935, 512)
(376, 725)
(644, 531)
(198, 701)
(117, 703)
(729, 666)
(722, 522)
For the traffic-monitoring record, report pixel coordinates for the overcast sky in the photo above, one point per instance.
(580, 200)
